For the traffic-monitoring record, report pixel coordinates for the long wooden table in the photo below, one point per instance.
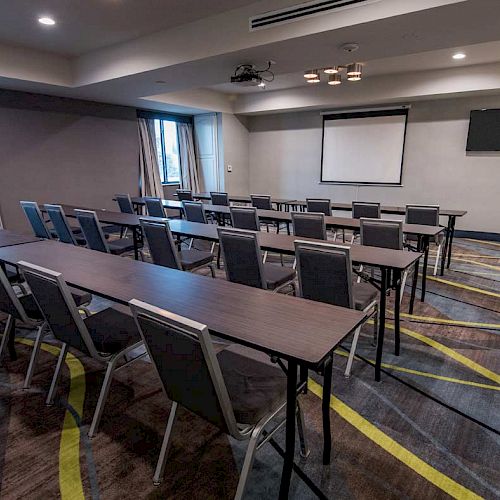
(9, 238)
(302, 332)
(390, 262)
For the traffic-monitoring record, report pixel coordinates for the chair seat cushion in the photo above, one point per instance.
(364, 294)
(276, 276)
(112, 330)
(256, 386)
(121, 245)
(194, 258)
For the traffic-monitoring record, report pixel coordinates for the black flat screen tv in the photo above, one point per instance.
(484, 130)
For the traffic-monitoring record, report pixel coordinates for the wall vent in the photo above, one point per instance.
(302, 11)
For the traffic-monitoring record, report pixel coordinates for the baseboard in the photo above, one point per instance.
(477, 235)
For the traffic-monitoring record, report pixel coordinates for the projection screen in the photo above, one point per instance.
(364, 147)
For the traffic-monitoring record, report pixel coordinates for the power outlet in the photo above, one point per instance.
(229, 168)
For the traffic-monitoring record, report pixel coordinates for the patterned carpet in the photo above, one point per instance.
(429, 429)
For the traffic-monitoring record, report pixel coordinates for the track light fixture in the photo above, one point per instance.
(353, 72)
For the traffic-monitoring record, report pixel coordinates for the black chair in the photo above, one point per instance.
(184, 194)
(194, 211)
(325, 275)
(237, 389)
(245, 218)
(319, 205)
(164, 252)
(309, 225)
(219, 198)
(243, 262)
(24, 308)
(34, 216)
(364, 209)
(107, 336)
(65, 233)
(426, 215)
(95, 238)
(261, 201)
(155, 207)
(125, 203)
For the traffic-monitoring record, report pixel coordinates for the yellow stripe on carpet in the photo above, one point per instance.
(70, 480)
(484, 242)
(464, 287)
(392, 447)
(446, 321)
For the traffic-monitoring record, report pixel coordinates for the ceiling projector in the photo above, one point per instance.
(247, 75)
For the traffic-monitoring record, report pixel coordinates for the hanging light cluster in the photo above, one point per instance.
(353, 73)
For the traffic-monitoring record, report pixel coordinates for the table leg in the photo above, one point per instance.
(136, 242)
(446, 245)
(424, 270)
(452, 234)
(415, 278)
(10, 332)
(381, 326)
(325, 407)
(291, 404)
(397, 340)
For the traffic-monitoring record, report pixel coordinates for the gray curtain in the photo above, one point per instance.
(149, 174)
(189, 168)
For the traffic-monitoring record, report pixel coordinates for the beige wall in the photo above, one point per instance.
(64, 151)
(285, 159)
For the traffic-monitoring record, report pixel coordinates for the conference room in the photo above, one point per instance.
(249, 249)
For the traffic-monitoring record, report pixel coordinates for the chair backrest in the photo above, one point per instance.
(54, 299)
(161, 243)
(309, 225)
(427, 215)
(365, 209)
(60, 223)
(184, 194)
(182, 352)
(194, 211)
(218, 198)
(92, 230)
(383, 233)
(242, 257)
(325, 272)
(245, 218)
(34, 216)
(9, 302)
(124, 203)
(155, 207)
(322, 205)
(261, 201)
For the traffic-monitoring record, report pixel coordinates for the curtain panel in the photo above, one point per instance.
(149, 170)
(190, 178)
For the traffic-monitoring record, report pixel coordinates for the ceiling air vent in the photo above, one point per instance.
(302, 11)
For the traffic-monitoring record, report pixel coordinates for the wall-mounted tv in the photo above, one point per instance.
(484, 130)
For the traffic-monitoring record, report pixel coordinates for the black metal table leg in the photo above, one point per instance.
(446, 245)
(397, 339)
(325, 407)
(424, 270)
(291, 404)
(415, 278)
(452, 234)
(381, 326)
(136, 242)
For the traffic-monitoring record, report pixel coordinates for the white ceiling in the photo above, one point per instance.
(85, 25)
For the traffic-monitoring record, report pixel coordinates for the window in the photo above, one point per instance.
(167, 146)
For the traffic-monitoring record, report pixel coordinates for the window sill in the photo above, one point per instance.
(170, 184)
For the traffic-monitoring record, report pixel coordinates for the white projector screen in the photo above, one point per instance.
(364, 147)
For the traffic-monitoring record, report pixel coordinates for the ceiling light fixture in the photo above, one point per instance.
(47, 21)
(311, 73)
(262, 85)
(332, 70)
(354, 69)
(459, 56)
(316, 79)
(335, 79)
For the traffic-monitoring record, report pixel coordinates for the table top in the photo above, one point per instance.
(9, 238)
(239, 198)
(289, 327)
(284, 243)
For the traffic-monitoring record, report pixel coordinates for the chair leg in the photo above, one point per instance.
(55, 379)
(190, 243)
(8, 326)
(265, 257)
(247, 463)
(360, 270)
(436, 264)
(304, 448)
(403, 284)
(102, 397)
(34, 356)
(352, 238)
(347, 372)
(212, 270)
(160, 466)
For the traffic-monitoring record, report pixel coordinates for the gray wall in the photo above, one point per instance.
(64, 151)
(285, 159)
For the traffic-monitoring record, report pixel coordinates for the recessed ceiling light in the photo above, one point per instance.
(48, 21)
(262, 85)
(460, 55)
